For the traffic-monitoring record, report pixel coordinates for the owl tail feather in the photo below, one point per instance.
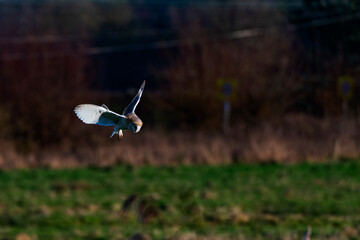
(113, 133)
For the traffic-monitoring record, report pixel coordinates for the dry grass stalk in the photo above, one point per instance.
(295, 138)
(307, 234)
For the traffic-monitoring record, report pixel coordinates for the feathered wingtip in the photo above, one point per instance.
(88, 113)
(132, 106)
(142, 86)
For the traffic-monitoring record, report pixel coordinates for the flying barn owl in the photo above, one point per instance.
(101, 115)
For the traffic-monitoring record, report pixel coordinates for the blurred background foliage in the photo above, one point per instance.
(286, 58)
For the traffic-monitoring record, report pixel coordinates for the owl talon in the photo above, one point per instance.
(120, 135)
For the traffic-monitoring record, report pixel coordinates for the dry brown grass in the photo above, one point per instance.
(295, 138)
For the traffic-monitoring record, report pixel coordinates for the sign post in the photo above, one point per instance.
(345, 91)
(226, 93)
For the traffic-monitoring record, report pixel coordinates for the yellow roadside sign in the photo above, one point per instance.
(345, 87)
(227, 89)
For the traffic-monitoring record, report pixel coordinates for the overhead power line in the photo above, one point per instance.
(39, 39)
(198, 3)
(313, 23)
(240, 34)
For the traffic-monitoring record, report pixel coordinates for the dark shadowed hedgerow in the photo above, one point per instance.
(265, 68)
(40, 87)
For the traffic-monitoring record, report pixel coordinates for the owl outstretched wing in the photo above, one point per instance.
(131, 107)
(100, 115)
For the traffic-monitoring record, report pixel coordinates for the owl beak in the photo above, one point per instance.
(137, 127)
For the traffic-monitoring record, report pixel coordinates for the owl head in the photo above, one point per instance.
(134, 123)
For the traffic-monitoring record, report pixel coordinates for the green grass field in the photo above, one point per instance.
(243, 201)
